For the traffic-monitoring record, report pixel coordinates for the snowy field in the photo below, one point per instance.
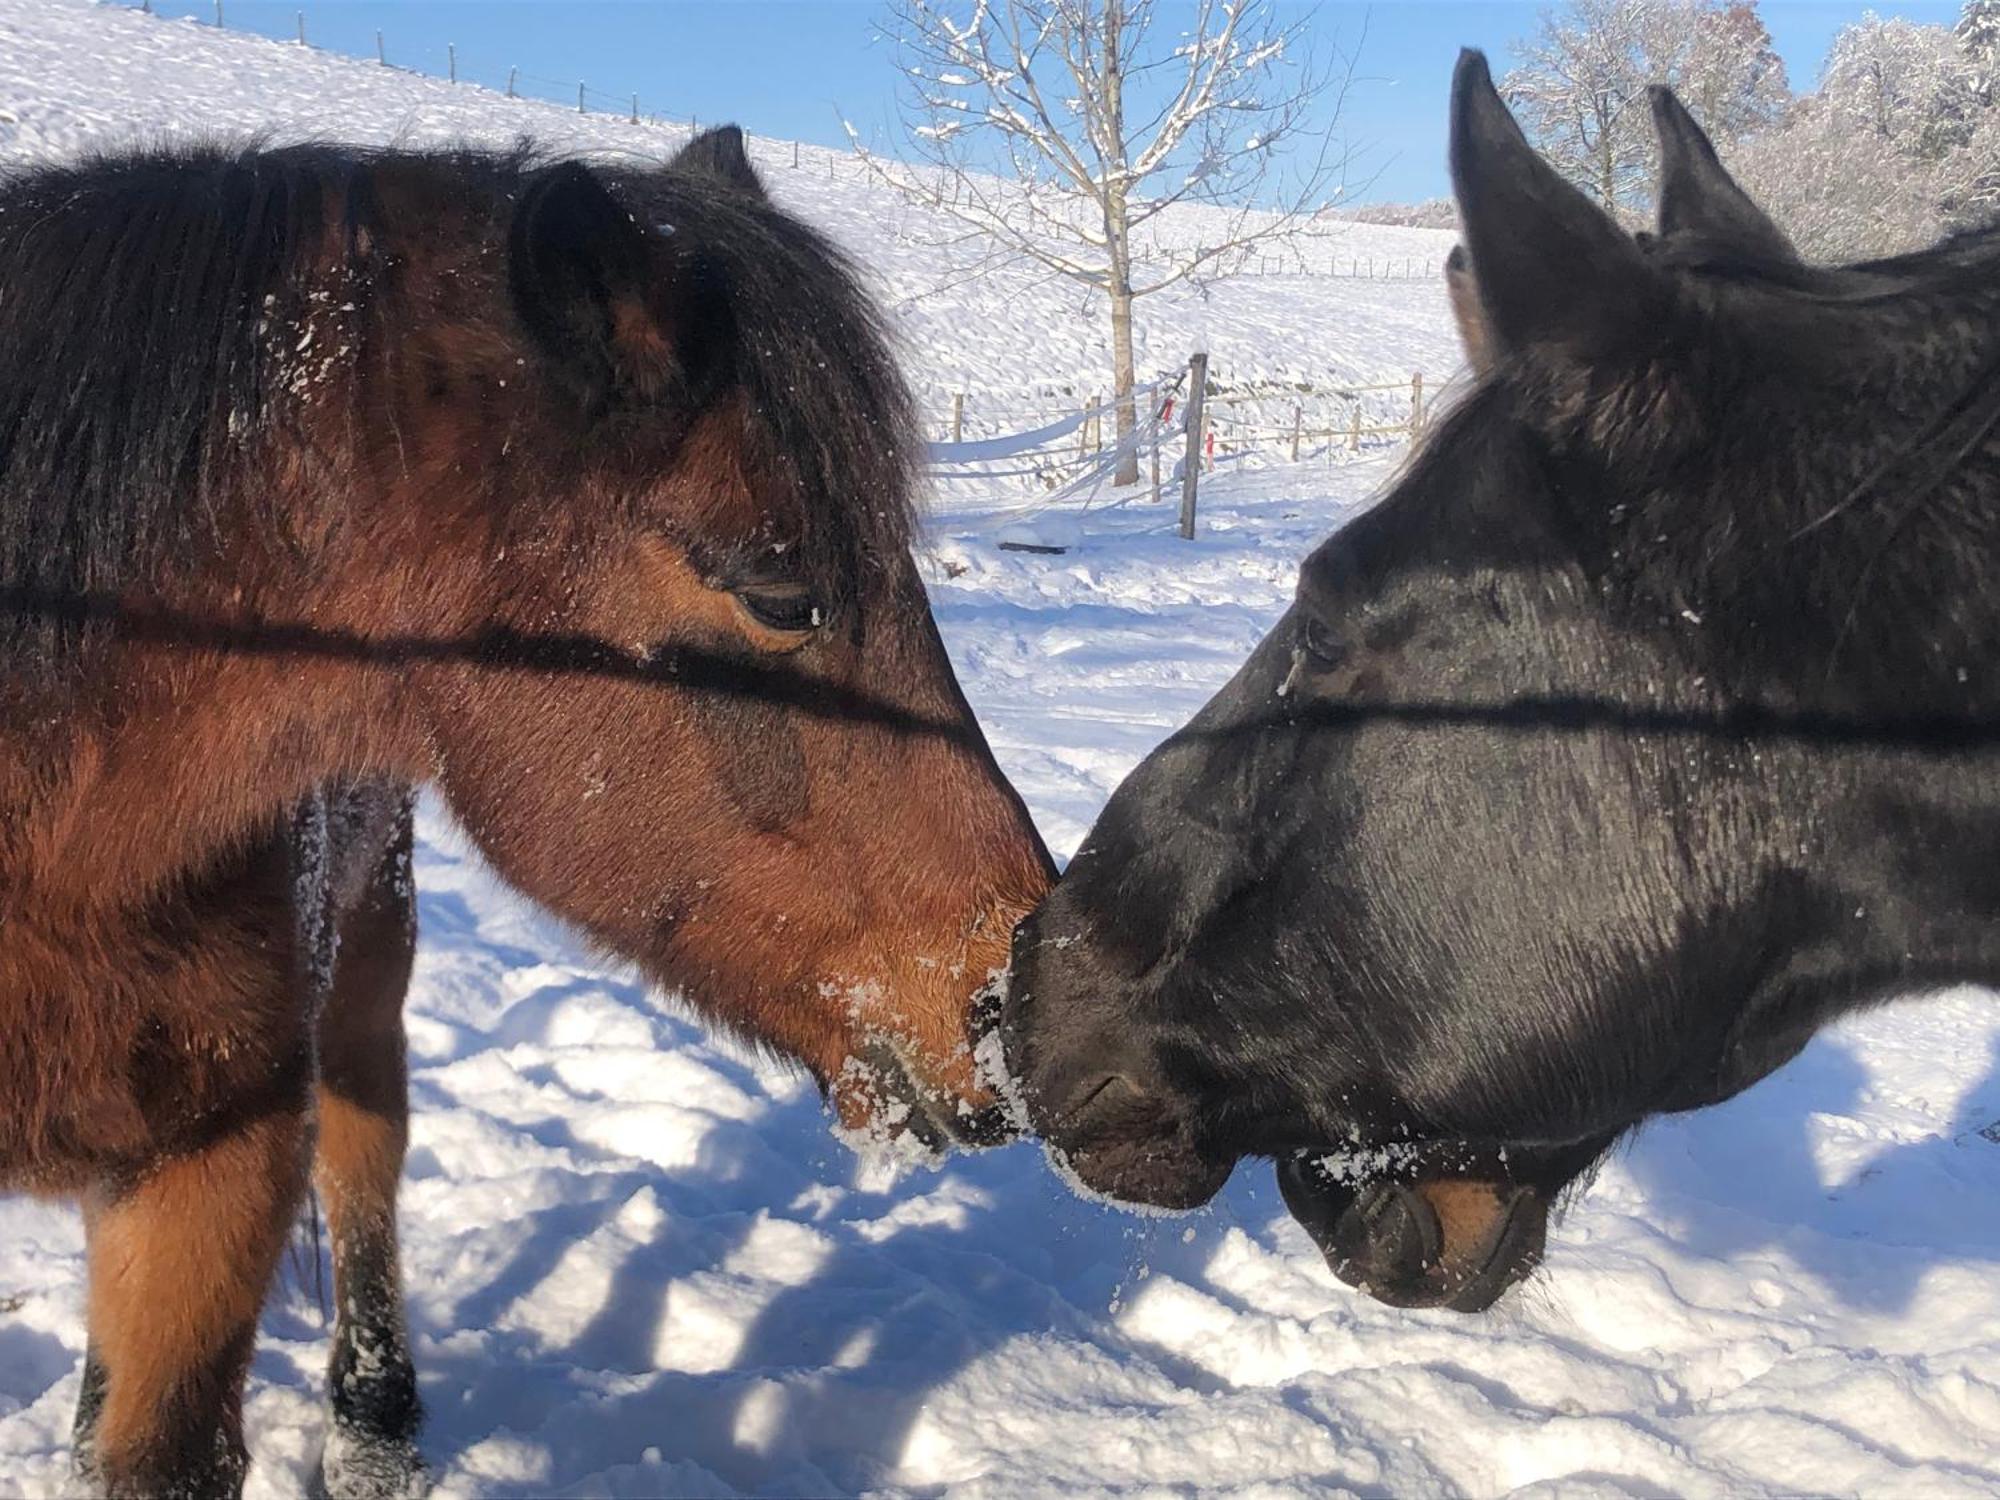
(638, 1264)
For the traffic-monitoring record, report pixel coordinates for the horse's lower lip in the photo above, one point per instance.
(934, 1116)
(977, 1129)
(1146, 1175)
(940, 1121)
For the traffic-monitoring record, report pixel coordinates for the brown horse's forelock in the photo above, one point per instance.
(138, 298)
(829, 415)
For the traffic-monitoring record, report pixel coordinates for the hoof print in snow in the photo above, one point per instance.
(1991, 1132)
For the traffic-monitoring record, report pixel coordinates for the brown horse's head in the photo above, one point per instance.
(643, 457)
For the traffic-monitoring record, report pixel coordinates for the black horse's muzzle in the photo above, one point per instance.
(1456, 1242)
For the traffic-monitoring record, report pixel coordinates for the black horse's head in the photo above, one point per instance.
(1579, 782)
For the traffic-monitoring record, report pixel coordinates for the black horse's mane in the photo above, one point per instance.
(138, 290)
(1804, 458)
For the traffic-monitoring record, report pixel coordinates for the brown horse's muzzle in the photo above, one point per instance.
(1452, 1242)
(887, 1093)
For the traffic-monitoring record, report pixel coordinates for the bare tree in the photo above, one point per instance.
(1580, 88)
(1064, 129)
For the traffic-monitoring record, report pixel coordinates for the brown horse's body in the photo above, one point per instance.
(521, 511)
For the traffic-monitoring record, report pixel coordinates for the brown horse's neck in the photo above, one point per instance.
(210, 703)
(180, 754)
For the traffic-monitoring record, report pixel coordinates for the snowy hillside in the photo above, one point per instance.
(73, 75)
(638, 1264)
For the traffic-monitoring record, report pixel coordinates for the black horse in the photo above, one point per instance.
(1647, 725)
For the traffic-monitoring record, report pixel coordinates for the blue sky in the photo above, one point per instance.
(792, 68)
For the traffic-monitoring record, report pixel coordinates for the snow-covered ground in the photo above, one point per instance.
(639, 1265)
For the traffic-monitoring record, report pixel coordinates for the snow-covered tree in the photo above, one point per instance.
(1580, 87)
(1841, 193)
(1064, 128)
(1900, 143)
(1431, 213)
(1978, 33)
(1903, 80)
(1978, 185)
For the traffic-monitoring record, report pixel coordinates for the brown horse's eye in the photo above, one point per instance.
(785, 607)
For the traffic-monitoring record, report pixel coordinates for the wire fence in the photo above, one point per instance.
(456, 64)
(1021, 455)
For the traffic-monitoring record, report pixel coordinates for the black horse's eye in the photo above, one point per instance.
(786, 607)
(1320, 643)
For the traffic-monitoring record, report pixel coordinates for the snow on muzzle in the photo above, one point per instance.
(899, 1100)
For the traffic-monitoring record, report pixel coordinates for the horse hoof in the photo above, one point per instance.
(358, 1465)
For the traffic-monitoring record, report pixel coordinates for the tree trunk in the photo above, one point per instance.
(1121, 376)
(1117, 241)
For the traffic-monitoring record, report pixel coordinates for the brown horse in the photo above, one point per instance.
(584, 498)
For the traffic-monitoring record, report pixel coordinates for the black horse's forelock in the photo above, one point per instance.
(138, 292)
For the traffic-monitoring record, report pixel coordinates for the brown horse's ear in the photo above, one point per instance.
(595, 289)
(1555, 274)
(1463, 289)
(720, 153)
(1698, 197)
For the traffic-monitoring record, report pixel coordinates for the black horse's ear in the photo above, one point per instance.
(1462, 286)
(721, 154)
(1554, 272)
(1698, 197)
(593, 287)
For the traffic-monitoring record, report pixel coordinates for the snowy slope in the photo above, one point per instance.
(73, 75)
(638, 1265)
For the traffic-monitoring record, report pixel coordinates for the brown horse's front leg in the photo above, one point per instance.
(371, 1451)
(83, 1432)
(180, 1259)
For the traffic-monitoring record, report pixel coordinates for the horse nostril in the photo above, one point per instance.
(1389, 1230)
(1101, 1102)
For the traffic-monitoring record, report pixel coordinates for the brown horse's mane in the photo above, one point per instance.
(159, 290)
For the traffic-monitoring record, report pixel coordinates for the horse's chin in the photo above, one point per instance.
(1457, 1243)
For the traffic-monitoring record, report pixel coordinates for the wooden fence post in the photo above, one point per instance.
(1159, 432)
(795, 156)
(635, 109)
(302, 28)
(451, 62)
(1354, 432)
(381, 52)
(1298, 420)
(579, 100)
(1196, 421)
(512, 73)
(1416, 404)
(218, 12)
(958, 417)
